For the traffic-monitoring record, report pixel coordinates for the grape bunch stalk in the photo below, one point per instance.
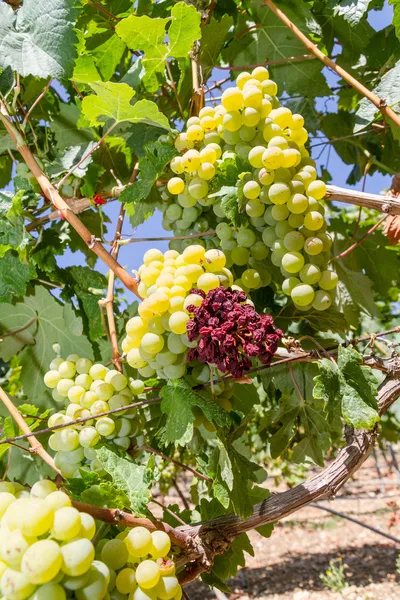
(86, 390)
(277, 192)
(47, 553)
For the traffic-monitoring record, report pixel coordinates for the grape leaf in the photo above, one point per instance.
(213, 36)
(184, 29)
(396, 15)
(113, 101)
(6, 81)
(38, 39)
(351, 10)
(66, 130)
(85, 69)
(49, 327)
(91, 488)
(388, 89)
(157, 155)
(147, 35)
(12, 230)
(14, 277)
(348, 389)
(128, 477)
(178, 399)
(226, 565)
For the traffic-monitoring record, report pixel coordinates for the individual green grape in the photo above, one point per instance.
(251, 279)
(138, 542)
(297, 204)
(282, 228)
(279, 193)
(66, 524)
(259, 251)
(313, 220)
(15, 585)
(322, 300)
(329, 280)
(293, 241)
(279, 212)
(272, 158)
(224, 231)
(52, 378)
(256, 156)
(266, 177)
(214, 260)
(251, 190)
(303, 295)
(161, 544)
(232, 99)
(310, 274)
(89, 437)
(77, 557)
(98, 372)
(313, 246)
(13, 547)
(43, 488)
(147, 574)
(255, 208)
(42, 561)
(36, 518)
(269, 236)
(198, 188)
(67, 369)
(49, 591)
(57, 500)
(293, 262)
(115, 554)
(167, 587)
(326, 240)
(246, 238)
(126, 581)
(174, 371)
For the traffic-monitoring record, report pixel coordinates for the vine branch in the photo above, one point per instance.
(380, 103)
(52, 194)
(36, 446)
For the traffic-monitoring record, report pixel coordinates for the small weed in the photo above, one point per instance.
(334, 578)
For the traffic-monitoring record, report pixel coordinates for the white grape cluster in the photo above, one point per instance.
(278, 190)
(46, 552)
(156, 341)
(86, 390)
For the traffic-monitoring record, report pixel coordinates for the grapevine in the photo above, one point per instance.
(146, 409)
(278, 193)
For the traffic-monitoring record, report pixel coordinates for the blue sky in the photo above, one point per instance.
(131, 255)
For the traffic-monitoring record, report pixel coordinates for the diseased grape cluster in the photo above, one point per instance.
(88, 389)
(157, 341)
(277, 189)
(46, 552)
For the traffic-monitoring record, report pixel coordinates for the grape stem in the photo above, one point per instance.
(380, 103)
(52, 194)
(360, 241)
(16, 331)
(36, 446)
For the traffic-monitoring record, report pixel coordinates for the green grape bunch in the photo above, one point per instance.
(87, 389)
(277, 190)
(47, 553)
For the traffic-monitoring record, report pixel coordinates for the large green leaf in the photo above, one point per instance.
(49, 327)
(112, 101)
(129, 477)
(213, 37)
(178, 399)
(184, 29)
(66, 129)
(388, 89)
(348, 389)
(38, 39)
(14, 277)
(351, 10)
